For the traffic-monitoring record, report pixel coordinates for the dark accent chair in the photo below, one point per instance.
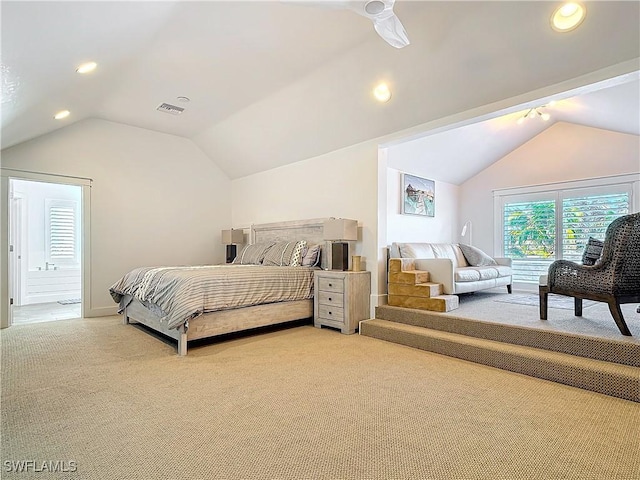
(615, 278)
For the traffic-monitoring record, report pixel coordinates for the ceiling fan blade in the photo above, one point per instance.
(391, 29)
(380, 12)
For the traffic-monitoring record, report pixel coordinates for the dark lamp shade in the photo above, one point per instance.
(340, 229)
(232, 237)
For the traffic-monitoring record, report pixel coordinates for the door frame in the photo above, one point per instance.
(16, 238)
(5, 175)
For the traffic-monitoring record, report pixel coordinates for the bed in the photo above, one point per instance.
(153, 296)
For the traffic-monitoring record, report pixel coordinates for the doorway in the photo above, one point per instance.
(45, 233)
(13, 225)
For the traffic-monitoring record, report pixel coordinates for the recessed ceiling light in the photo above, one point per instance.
(184, 99)
(382, 92)
(568, 17)
(87, 67)
(62, 114)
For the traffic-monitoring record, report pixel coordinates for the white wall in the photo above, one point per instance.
(156, 199)
(343, 184)
(564, 152)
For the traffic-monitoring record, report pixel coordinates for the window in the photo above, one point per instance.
(62, 247)
(539, 227)
(529, 236)
(588, 216)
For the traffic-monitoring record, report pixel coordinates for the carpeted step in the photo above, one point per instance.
(613, 379)
(607, 350)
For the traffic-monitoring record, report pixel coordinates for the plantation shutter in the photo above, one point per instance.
(538, 227)
(529, 233)
(588, 216)
(62, 232)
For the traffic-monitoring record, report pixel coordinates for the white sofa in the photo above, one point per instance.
(447, 265)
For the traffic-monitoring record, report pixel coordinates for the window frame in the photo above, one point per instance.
(558, 192)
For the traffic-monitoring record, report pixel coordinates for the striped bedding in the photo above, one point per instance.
(178, 294)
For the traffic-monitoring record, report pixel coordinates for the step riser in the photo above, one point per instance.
(606, 383)
(442, 303)
(598, 349)
(420, 290)
(413, 277)
(397, 265)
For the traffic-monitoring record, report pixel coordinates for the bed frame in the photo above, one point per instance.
(238, 319)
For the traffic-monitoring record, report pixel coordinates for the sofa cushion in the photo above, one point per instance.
(415, 250)
(450, 251)
(487, 273)
(466, 274)
(503, 270)
(475, 274)
(475, 256)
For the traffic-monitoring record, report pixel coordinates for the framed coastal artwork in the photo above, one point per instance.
(418, 196)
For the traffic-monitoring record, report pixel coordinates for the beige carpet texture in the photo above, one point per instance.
(294, 403)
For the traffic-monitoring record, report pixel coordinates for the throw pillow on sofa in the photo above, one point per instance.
(476, 257)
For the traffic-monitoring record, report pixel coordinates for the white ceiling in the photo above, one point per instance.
(473, 147)
(273, 82)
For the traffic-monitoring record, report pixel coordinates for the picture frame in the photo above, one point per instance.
(418, 196)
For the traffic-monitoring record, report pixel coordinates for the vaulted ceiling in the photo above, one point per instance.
(610, 105)
(272, 83)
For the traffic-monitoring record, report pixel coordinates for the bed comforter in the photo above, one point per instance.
(178, 294)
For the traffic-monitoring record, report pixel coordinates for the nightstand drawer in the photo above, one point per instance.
(331, 313)
(331, 298)
(331, 285)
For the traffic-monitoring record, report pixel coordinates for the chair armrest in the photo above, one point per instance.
(570, 276)
(440, 271)
(503, 261)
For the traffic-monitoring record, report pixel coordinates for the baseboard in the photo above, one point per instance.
(377, 301)
(380, 299)
(101, 312)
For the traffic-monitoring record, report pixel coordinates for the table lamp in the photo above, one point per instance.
(231, 238)
(339, 231)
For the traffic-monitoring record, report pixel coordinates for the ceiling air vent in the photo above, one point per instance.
(168, 108)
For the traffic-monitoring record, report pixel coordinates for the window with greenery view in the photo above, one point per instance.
(584, 217)
(538, 229)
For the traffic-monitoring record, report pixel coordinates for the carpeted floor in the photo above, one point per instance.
(300, 403)
(553, 301)
(596, 320)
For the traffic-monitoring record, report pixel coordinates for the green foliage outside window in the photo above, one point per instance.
(529, 233)
(530, 229)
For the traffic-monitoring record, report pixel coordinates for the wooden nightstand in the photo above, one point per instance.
(341, 299)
